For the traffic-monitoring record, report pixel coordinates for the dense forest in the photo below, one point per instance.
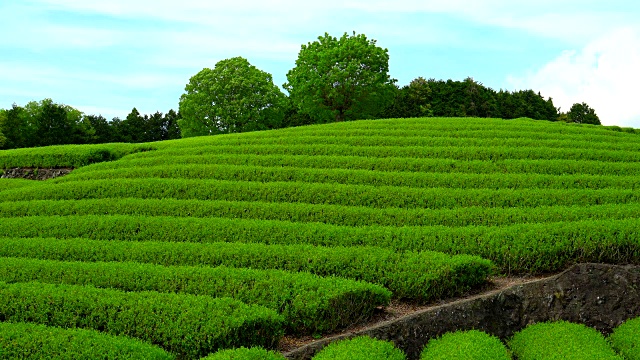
(350, 81)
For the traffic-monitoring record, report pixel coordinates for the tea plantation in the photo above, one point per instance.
(181, 248)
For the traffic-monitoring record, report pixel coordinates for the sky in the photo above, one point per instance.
(107, 57)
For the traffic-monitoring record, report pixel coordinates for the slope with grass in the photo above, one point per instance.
(426, 208)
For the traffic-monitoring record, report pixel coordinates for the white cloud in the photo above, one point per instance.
(604, 74)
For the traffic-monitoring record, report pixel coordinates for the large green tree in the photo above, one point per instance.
(341, 79)
(582, 113)
(234, 96)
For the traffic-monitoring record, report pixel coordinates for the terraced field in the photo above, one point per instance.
(203, 244)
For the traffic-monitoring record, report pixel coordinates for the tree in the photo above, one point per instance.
(234, 96)
(581, 113)
(3, 119)
(341, 79)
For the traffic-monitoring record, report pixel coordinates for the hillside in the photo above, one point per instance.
(200, 244)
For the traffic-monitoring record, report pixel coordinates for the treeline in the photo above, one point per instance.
(47, 123)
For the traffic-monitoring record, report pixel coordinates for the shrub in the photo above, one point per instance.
(242, 353)
(360, 348)
(625, 339)
(465, 345)
(562, 341)
(38, 342)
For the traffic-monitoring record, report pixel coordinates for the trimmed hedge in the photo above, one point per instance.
(188, 326)
(328, 214)
(360, 348)
(392, 164)
(309, 303)
(560, 340)
(422, 276)
(362, 177)
(59, 156)
(625, 339)
(465, 345)
(522, 248)
(316, 193)
(9, 184)
(38, 342)
(256, 353)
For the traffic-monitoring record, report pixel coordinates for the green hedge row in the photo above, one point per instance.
(625, 339)
(485, 138)
(561, 340)
(450, 152)
(309, 303)
(189, 326)
(328, 214)
(392, 164)
(336, 194)
(522, 248)
(255, 353)
(67, 155)
(362, 177)
(360, 348)
(465, 345)
(8, 184)
(20, 341)
(422, 276)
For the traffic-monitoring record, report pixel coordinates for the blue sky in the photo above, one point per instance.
(106, 57)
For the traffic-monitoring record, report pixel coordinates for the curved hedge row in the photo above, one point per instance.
(560, 340)
(310, 193)
(523, 248)
(625, 339)
(310, 304)
(20, 341)
(363, 177)
(60, 156)
(360, 348)
(391, 164)
(188, 326)
(328, 214)
(242, 353)
(465, 345)
(420, 276)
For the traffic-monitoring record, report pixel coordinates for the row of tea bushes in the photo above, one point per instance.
(60, 156)
(309, 303)
(421, 276)
(389, 164)
(20, 341)
(188, 326)
(328, 214)
(361, 177)
(521, 248)
(448, 152)
(318, 193)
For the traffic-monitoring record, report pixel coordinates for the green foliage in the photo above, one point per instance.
(7, 184)
(581, 113)
(465, 345)
(310, 304)
(255, 353)
(340, 79)
(185, 325)
(560, 340)
(422, 276)
(522, 248)
(38, 342)
(67, 155)
(625, 339)
(360, 348)
(234, 96)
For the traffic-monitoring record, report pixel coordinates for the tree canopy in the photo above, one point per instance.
(341, 79)
(581, 113)
(234, 96)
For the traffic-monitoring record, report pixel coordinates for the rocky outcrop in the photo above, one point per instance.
(598, 295)
(34, 174)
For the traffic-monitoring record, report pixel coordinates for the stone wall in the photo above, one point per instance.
(600, 296)
(33, 174)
